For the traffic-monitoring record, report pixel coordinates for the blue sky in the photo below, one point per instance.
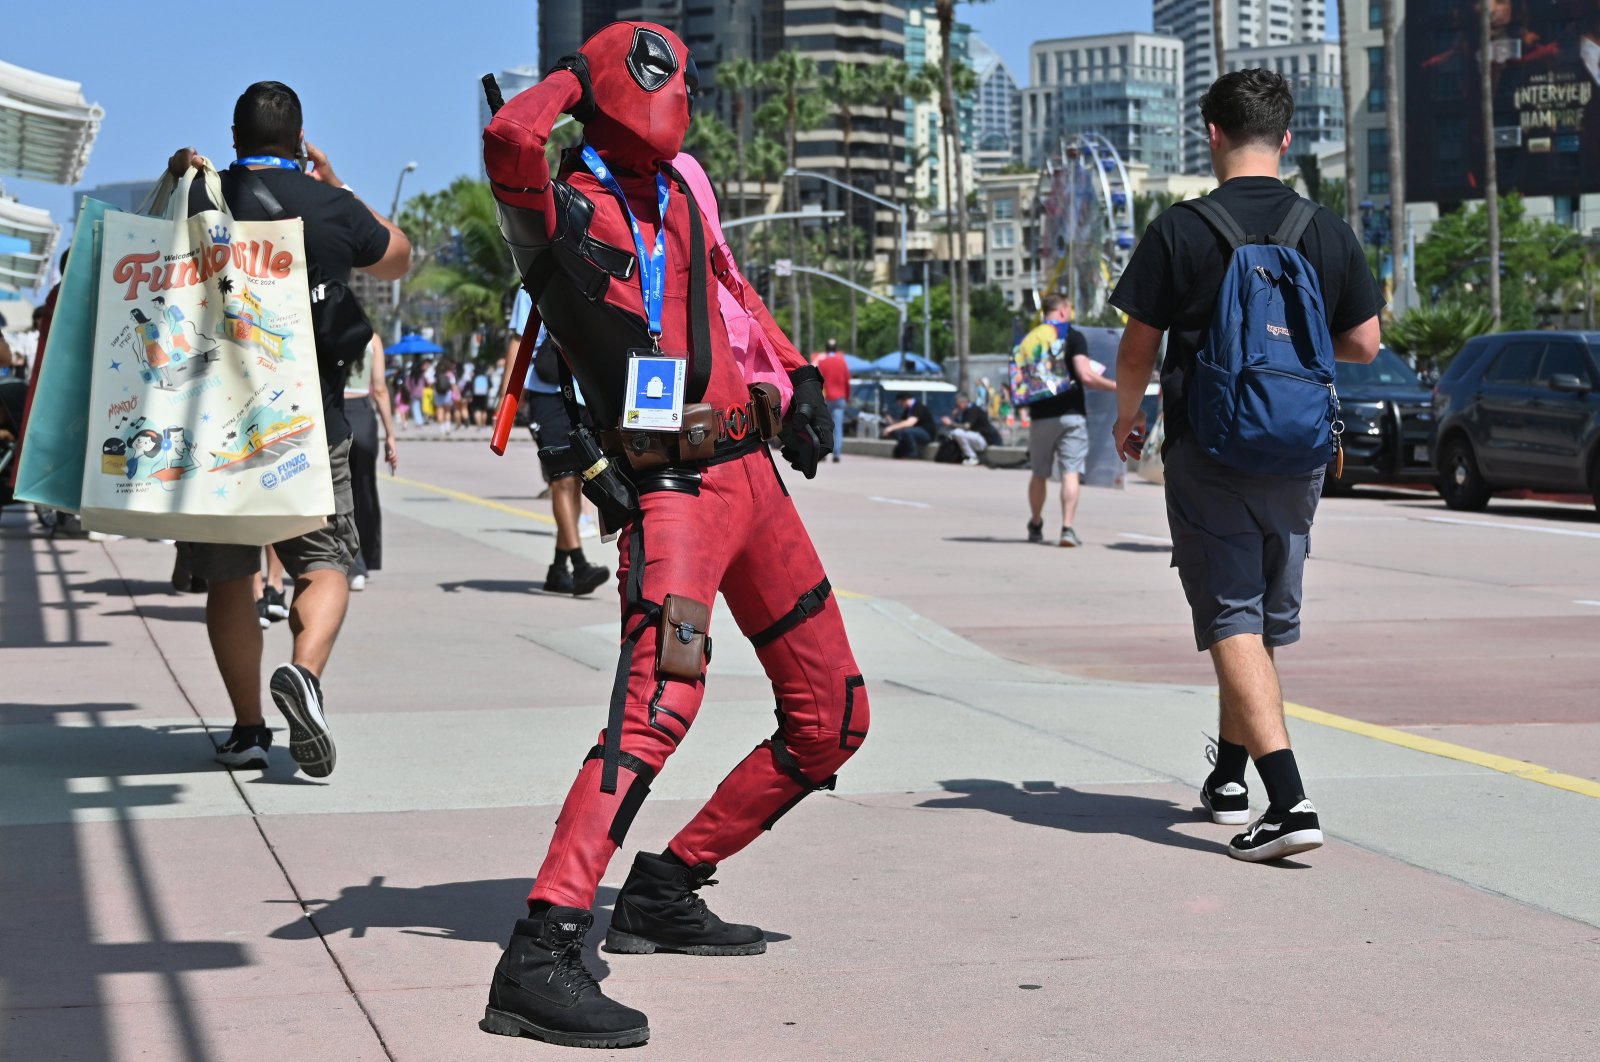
(383, 83)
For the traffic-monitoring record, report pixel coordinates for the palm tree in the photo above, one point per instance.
(1352, 210)
(1491, 168)
(714, 145)
(794, 78)
(1397, 175)
(1216, 34)
(945, 12)
(739, 77)
(471, 270)
(767, 159)
(849, 88)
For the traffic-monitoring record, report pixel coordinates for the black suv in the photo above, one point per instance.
(1518, 410)
(1388, 421)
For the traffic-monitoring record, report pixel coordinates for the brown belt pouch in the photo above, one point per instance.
(648, 449)
(683, 646)
(699, 439)
(766, 407)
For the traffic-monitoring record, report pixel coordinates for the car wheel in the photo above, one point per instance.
(1460, 482)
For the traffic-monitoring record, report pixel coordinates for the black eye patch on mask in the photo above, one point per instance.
(650, 60)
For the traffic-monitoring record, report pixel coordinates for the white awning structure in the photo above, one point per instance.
(29, 268)
(46, 126)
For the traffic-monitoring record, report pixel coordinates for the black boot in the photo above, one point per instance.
(658, 910)
(541, 988)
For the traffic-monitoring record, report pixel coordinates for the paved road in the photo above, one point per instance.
(1011, 868)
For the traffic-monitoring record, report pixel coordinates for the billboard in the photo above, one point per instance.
(1545, 75)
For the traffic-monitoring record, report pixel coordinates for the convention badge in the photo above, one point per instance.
(655, 392)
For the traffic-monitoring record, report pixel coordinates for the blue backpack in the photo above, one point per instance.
(1261, 398)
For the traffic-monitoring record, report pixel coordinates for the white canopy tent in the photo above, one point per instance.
(46, 131)
(46, 126)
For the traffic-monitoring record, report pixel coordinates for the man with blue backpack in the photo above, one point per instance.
(1259, 292)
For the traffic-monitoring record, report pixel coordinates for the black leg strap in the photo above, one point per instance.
(791, 767)
(630, 642)
(809, 602)
(625, 759)
(633, 799)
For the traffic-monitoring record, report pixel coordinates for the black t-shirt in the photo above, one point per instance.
(1172, 282)
(341, 235)
(923, 416)
(976, 418)
(1071, 400)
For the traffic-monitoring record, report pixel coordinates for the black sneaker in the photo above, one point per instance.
(247, 746)
(588, 578)
(1035, 531)
(277, 605)
(261, 613)
(1069, 538)
(558, 580)
(1228, 803)
(1279, 833)
(542, 988)
(298, 696)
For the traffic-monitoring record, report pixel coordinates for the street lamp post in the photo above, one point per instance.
(898, 304)
(899, 210)
(394, 210)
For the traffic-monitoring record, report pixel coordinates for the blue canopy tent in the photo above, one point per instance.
(856, 365)
(411, 343)
(905, 361)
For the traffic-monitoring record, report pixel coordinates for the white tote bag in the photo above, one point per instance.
(205, 409)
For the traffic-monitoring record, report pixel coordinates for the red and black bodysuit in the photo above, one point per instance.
(720, 524)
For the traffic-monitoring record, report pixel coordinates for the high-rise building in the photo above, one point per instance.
(997, 119)
(1245, 24)
(1368, 149)
(1125, 86)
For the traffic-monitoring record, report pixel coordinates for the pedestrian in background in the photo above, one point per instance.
(1240, 538)
(1058, 426)
(366, 403)
(913, 430)
(971, 429)
(836, 389)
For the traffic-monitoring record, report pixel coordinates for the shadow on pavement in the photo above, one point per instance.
(477, 911)
(1139, 547)
(497, 586)
(990, 540)
(1046, 804)
(170, 613)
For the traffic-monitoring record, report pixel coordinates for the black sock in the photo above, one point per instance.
(669, 856)
(1231, 760)
(1281, 776)
(537, 908)
(573, 555)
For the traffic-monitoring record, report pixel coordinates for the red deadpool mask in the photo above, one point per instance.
(644, 82)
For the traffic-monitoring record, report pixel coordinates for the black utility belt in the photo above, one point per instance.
(709, 435)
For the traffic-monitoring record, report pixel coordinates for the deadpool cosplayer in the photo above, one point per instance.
(624, 271)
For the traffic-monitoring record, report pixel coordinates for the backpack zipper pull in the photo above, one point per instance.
(1338, 435)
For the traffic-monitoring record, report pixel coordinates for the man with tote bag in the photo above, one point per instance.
(271, 179)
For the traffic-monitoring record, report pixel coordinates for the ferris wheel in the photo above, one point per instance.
(1085, 220)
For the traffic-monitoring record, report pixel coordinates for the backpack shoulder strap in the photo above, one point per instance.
(1295, 223)
(1219, 219)
(245, 179)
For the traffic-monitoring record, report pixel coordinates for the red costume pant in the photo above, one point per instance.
(741, 535)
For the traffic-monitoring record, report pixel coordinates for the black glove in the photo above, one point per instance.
(808, 429)
(584, 110)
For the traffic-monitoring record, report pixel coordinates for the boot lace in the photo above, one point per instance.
(571, 969)
(697, 903)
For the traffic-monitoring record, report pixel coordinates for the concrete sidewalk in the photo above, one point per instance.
(1013, 867)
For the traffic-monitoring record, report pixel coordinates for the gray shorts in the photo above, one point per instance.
(1239, 542)
(1058, 445)
(332, 547)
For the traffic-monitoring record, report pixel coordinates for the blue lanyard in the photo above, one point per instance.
(652, 267)
(268, 160)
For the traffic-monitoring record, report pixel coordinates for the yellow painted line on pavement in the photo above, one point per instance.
(460, 495)
(473, 499)
(1531, 772)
